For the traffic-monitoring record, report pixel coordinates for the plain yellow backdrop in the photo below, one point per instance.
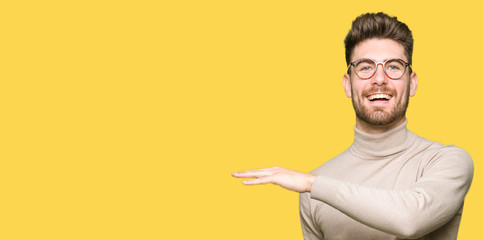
(125, 119)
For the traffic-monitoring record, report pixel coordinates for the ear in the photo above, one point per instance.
(346, 82)
(413, 84)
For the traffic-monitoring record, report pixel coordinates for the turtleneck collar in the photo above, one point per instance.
(382, 145)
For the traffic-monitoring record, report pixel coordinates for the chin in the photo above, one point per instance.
(383, 119)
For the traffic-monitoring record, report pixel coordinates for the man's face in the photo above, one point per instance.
(391, 108)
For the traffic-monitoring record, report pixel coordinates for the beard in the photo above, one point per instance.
(378, 116)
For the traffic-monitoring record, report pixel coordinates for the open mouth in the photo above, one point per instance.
(379, 97)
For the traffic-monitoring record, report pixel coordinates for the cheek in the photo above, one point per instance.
(357, 88)
(402, 89)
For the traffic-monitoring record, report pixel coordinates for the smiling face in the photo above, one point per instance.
(379, 102)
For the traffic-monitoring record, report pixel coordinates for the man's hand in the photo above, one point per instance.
(286, 178)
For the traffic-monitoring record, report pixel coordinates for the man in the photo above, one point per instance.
(390, 183)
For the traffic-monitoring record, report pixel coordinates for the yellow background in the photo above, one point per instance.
(125, 119)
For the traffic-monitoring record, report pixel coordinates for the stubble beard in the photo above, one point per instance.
(378, 116)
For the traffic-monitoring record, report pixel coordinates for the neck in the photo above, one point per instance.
(381, 146)
(376, 129)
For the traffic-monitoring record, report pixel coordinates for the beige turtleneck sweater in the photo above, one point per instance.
(394, 185)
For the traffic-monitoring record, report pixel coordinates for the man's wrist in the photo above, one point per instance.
(311, 180)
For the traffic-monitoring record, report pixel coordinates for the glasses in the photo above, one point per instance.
(366, 68)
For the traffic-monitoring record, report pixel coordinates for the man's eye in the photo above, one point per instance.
(393, 67)
(365, 68)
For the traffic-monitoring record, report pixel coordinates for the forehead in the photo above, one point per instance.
(378, 49)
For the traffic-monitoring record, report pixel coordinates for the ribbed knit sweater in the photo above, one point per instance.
(394, 185)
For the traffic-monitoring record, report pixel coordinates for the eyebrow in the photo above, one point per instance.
(380, 61)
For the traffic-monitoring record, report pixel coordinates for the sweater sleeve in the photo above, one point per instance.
(435, 198)
(309, 228)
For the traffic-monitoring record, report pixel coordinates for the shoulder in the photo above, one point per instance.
(452, 155)
(437, 156)
(435, 150)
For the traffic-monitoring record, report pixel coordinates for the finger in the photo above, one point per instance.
(252, 174)
(260, 169)
(262, 180)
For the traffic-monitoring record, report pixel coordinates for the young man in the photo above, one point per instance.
(390, 183)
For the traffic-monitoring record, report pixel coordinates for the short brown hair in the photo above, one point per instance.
(378, 25)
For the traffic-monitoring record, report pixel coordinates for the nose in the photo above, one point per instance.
(379, 76)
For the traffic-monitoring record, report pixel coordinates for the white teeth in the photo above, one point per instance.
(379, 96)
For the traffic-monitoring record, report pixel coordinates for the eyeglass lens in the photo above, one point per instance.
(394, 68)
